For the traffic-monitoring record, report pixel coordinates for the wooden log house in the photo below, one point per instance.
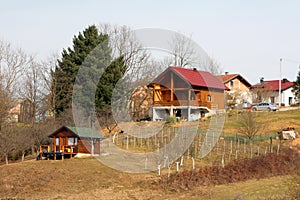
(186, 93)
(70, 141)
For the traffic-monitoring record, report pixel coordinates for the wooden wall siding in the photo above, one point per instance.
(85, 146)
(180, 83)
(82, 146)
(173, 90)
(201, 99)
(181, 94)
(65, 133)
(218, 99)
(166, 82)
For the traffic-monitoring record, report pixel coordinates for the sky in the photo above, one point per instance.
(244, 37)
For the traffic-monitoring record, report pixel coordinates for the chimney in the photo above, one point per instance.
(262, 79)
(226, 73)
(195, 69)
(285, 80)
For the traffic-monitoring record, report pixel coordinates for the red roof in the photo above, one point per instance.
(226, 78)
(229, 77)
(274, 85)
(199, 78)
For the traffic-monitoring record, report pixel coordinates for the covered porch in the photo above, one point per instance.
(69, 141)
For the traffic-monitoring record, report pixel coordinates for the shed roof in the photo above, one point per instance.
(82, 132)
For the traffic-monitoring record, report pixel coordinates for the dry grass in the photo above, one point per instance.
(89, 179)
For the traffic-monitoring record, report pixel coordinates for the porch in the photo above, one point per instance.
(69, 141)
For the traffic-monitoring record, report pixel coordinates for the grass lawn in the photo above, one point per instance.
(273, 121)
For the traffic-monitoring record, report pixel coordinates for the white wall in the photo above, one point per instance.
(285, 97)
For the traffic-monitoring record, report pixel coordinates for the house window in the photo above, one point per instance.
(208, 98)
(272, 99)
(72, 141)
(290, 100)
(231, 83)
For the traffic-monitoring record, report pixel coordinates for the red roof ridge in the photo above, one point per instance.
(227, 77)
(274, 85)
(199, 78)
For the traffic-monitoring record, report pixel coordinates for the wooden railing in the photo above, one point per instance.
(183, 103)
(65, 149)
(70, 149)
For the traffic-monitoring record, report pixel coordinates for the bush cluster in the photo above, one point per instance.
(287, 162)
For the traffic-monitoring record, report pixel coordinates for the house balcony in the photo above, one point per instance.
(196, 103)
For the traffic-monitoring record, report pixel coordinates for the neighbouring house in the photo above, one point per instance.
(71, 140)
(140, 103)
(275, 91)
(238, 93)
(20, 112)
(186, 94)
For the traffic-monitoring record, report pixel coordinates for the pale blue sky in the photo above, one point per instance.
(246, 37)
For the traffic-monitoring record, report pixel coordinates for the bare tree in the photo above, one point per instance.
(49, 91)
(36, 87)
(22, 140)
(249, 125)
(29, 89)
(183, 51)
(261, 93)
(40, 131)
(213, 66)
(233, 99)
(8, 141)
(12, 64)
(107, 121)
(184, 54)
(124, 43)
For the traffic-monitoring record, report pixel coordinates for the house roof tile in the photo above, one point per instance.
(226, 78)
(229, 77)
(199, 78)
(274, 85)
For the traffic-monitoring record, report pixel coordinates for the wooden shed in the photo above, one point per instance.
(70, 140)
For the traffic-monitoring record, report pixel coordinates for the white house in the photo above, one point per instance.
(269, 91)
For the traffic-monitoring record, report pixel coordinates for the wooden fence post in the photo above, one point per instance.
(271, 145)
(146, 163)
(158, 167)
(193, 163)
(177, 166)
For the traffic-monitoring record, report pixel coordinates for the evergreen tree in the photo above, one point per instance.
(107, 83)
(92, 55)
(296, 87)
(65, 73)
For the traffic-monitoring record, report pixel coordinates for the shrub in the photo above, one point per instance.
(287, 162)
(171, 120)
